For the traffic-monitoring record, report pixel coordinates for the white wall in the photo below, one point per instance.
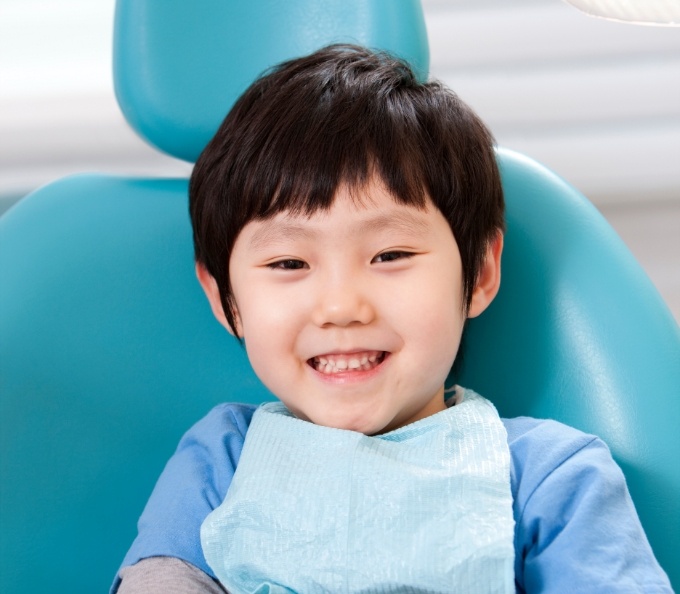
(598, 102)
(58, 114)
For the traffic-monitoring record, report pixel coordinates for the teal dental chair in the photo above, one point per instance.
(109, 352)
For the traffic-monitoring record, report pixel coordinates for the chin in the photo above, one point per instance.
(357, 425)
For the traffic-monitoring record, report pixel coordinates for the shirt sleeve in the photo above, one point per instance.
(166, 575)
(193, 483)
(576, 526)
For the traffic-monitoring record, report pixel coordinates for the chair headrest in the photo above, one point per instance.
(179, 65)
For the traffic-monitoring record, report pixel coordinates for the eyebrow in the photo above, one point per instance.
(404, 222)
(276, 232)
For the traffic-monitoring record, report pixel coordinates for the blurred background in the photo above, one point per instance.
(596, 101)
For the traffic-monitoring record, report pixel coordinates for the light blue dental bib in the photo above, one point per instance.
(424, 508)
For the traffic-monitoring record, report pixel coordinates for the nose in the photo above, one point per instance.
(342, 302)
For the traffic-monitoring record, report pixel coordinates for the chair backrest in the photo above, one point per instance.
(579, 334)
(108, 350)
(179, 66)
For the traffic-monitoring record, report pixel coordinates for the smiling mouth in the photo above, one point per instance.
(343, 363)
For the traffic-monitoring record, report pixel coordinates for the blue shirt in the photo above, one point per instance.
(576, 529)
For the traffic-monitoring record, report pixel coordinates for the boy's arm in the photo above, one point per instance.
(577, 528)
(166, 575)
(193, 483)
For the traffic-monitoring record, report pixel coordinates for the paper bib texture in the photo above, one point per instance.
(424, 508)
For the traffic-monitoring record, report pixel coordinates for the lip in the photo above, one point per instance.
(349, 375)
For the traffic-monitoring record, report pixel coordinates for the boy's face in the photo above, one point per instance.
(352, 317)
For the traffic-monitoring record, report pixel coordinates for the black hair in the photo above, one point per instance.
(341, 116)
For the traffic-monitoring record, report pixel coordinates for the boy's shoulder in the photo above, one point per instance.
(526, 432)
(215, 440)
(224, 418)
(550, 457)
(571, 496)
(236, 415)
(540, 446)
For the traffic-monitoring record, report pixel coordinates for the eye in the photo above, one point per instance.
(391, 256)
(290, 264)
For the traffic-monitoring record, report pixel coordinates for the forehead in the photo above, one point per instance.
(371, 210)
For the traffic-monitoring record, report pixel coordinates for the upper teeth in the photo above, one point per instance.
(337, 363)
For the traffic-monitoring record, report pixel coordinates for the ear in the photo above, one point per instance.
(212, 292)
(489, 279)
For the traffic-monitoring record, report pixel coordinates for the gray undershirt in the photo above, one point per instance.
(166, 575)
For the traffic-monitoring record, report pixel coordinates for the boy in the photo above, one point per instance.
(347, 221)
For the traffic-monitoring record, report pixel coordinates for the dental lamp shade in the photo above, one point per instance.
(640, 12)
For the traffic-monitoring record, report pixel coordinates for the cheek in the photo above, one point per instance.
(266, 315)
(270, 331)
(267, 360)
(438, 344)
(435, 323)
